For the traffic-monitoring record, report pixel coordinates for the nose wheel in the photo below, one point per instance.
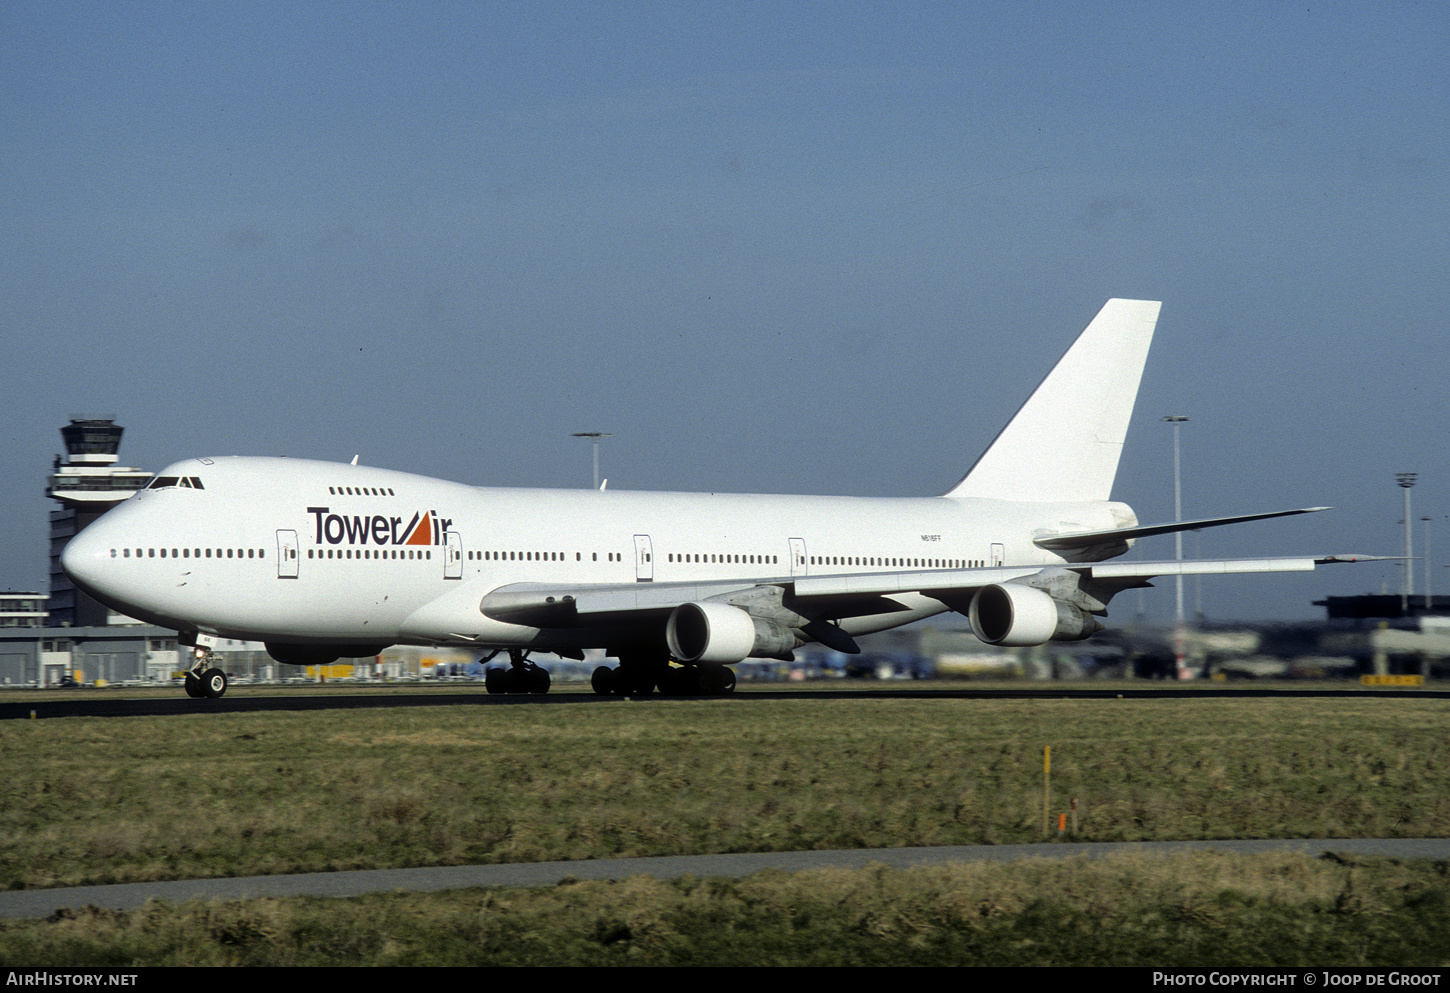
(203, 681)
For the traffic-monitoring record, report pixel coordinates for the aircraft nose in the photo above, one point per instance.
(87, 559)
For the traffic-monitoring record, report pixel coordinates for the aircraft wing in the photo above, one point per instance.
(838, 595)
(539, 604)
(1214, 567)
(1085, 539)
(1054, 599)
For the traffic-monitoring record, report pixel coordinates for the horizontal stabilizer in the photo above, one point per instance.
(1085, 539)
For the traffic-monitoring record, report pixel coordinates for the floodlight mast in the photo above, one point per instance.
(1405, 480)
(1179, 637)
(1429, 600)
(594, 436)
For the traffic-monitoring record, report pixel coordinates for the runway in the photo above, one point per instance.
(129, 896)
(101, 703)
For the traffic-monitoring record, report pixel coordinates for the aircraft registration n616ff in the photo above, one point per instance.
(322, 561)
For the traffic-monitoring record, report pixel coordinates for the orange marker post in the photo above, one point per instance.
(1046, 784)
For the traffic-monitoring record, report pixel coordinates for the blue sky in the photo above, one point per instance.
(772, 247)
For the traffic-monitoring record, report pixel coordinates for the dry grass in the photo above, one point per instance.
(1200, 909)
(110, 800)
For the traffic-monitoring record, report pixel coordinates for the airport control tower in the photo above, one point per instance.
(86, 484)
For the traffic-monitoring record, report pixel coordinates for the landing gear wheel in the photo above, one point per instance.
(699, 679)
(724, 682)
(193, 685)
(527, 678)
(675, 681)
(603, 681)
(632, 680)
(522, 676)
(213, 683)
(640, 672)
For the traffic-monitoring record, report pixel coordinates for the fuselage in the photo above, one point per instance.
(313, 552)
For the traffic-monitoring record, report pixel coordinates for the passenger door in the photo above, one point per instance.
(644, 566)
(286, 554)
(798, 561)
(452, 555)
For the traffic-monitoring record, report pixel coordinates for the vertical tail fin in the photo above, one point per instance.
(1063, 444)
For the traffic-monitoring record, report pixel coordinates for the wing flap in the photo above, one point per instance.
(542, 605)
(657, 596)
(877, 583)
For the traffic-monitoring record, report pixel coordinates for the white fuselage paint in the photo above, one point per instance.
(221, 573)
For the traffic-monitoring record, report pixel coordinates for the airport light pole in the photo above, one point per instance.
(1429, 600)
(1405, 480)
(1179, 636)
(594, 436)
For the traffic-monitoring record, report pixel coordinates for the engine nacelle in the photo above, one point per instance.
(319, 654)
(1013, 615)
(717, 632)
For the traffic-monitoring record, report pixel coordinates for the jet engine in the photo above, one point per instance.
(1013, 615)
(319, 654)
(717, 632)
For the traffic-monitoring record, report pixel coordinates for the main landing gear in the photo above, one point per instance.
(640, 676)
(205, 680)
(522, 676)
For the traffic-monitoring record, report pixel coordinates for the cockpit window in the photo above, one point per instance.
(189, 482)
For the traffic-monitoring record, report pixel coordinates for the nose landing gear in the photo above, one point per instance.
(204, 680)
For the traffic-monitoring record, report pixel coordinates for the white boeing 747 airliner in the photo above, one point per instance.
(323, 561)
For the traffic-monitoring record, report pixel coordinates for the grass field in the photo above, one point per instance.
(108, 800)
(1201, 909)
